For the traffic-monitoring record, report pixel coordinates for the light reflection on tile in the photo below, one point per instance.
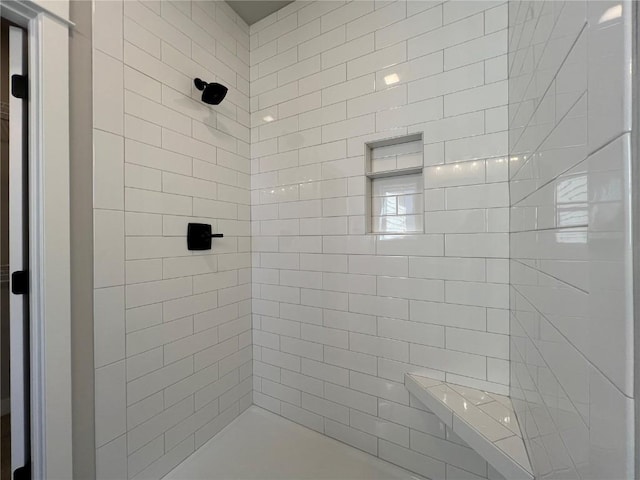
(397, 204)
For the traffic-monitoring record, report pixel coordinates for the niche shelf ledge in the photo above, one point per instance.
(486, 421)
(394, 173)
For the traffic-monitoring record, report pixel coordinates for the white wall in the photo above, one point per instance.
(571, 294)
(172, 327)
(339, 315)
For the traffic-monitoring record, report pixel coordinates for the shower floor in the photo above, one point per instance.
(261, 445)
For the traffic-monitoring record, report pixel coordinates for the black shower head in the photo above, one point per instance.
(212, 93)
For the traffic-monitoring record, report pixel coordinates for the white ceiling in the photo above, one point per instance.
(253, 10)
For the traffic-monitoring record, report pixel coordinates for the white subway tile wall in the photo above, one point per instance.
(173, 348)
(571, 289)
(340, 315)
(301, 311)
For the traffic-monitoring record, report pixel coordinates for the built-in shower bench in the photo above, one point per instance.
(486, 421)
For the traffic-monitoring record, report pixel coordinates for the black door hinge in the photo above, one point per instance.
(19, 86)
(22, 473)
(20, 282)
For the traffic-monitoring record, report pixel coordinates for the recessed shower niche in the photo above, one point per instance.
(394, 185)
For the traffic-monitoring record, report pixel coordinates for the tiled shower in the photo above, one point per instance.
(404, 187)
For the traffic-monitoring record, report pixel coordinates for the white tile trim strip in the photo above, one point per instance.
(474, 415)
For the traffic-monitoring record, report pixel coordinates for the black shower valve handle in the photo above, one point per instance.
(205, 235)
(199, 236)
